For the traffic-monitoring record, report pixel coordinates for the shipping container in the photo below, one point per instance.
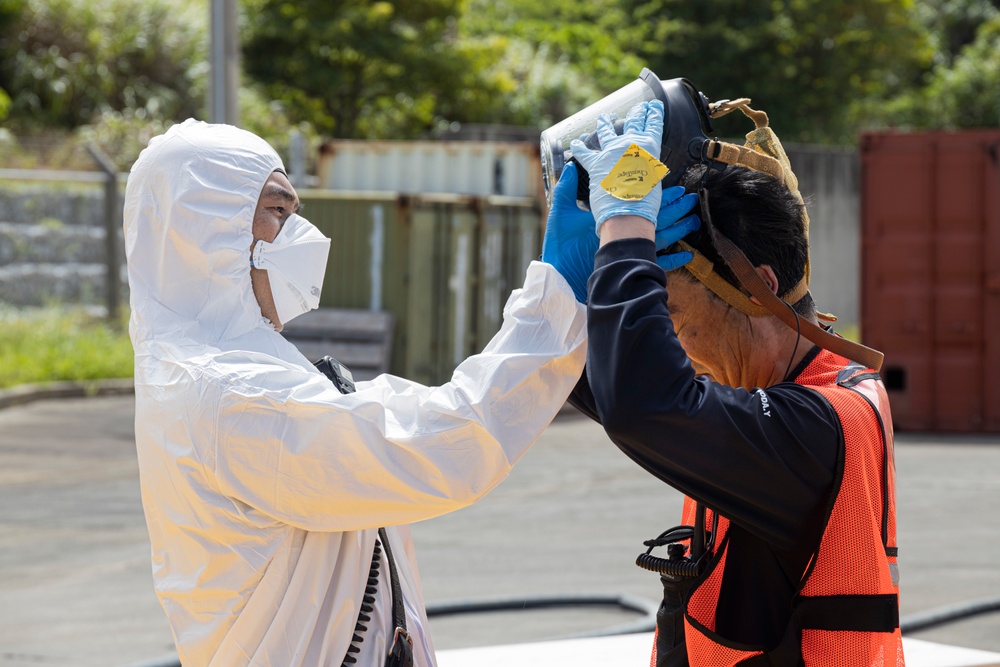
(931, 275)
(479, 168)
(442, 264)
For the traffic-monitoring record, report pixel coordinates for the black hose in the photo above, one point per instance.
(948, 614)
(681, 568)
(912, 623)
(171, 661)
(634, 603)
(629, 602)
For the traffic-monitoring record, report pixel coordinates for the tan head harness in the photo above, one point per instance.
(763, 152)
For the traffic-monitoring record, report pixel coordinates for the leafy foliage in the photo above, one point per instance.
(10, 11)
(361, 69)
(65, 62)
(118, 71)
(803, 61)
(960, 90)
(954, 24)
(557, 56)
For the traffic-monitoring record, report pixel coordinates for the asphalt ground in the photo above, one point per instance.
(75, 584)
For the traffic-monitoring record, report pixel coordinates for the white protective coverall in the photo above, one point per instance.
(263, 486)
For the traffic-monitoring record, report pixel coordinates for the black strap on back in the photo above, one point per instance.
(839, 613)
(857, 613)
(367, 606)
(401, 651)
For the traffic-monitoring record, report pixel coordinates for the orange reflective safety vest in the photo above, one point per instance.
(846, 611)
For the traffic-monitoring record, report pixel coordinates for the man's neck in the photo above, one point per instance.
(768, 351)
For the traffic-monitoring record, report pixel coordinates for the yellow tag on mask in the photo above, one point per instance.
(634, 175)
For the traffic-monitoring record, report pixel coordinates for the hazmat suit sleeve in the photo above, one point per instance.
(395, 451)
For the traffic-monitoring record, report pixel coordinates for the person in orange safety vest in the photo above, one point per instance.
(719, 379)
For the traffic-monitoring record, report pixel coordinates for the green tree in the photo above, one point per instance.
(954, 24)
(594, 36)
(558, 56)
(360, 69)
(805, 62)
(64, 62)
(961, 89)
(967, 94)
(10, 12)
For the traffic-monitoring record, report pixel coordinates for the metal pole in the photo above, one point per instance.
(377, 243)
(297, 159)
(224, 85)
(111, 209)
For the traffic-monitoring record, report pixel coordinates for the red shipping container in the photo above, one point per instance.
(930, 274)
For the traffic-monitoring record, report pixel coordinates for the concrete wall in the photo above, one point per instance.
(52, 245)
(829, 180)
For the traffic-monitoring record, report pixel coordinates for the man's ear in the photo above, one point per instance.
(770, 279)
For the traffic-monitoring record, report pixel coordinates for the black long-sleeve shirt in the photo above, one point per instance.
(765, 459)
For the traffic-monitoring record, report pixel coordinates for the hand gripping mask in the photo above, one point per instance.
(296, 264)
(687, 126)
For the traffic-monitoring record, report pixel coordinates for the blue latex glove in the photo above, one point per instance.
(644, 127)
(674, 221)
(570, 243)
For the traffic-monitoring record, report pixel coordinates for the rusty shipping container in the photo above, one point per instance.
(930, 258)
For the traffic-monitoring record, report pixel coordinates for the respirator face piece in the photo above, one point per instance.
(296, 265)
(687, 126)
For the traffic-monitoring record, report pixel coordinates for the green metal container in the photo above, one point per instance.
(442, 264)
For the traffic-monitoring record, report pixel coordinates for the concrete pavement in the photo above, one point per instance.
(75, 587)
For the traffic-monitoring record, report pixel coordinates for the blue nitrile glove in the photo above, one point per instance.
(644, 127)
(673, 222)
(570, 242)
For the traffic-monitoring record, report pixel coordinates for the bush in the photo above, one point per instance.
(52, 344)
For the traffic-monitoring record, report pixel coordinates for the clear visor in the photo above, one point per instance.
(555, 140)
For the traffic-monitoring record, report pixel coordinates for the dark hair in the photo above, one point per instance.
(761, 216)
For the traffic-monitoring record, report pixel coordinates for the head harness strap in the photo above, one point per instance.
(751, 280)
(763, 152)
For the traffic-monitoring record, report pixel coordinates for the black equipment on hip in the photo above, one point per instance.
(679, 564)
(401, 651)
(338, 373)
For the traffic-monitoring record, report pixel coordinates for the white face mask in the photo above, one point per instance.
(296, 264)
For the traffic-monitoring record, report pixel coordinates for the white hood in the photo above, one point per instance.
(188, 230)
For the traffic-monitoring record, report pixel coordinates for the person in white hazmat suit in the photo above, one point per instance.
(263, 486)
